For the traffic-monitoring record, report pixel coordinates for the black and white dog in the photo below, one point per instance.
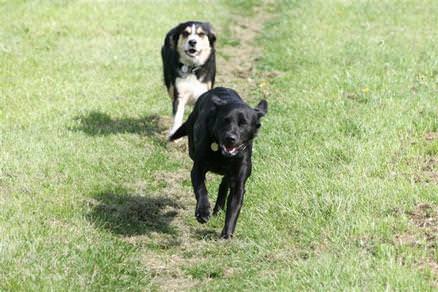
(189, 65)
(221, 130)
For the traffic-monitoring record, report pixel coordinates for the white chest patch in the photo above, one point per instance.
(190, 88)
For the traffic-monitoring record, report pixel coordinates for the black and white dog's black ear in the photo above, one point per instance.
(261, 108)
(171, 39)
(173, 35)
(211, 34)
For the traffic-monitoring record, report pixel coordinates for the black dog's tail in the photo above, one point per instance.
(181, 132)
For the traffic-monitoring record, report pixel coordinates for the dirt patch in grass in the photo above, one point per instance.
(357, 97)
(236, 60)
(168, 271)
(163, 249)
(428, 172)
(423, 233)
(425, 218)
(423, 227)
(155, 222)
(430, 136)
(427, 164)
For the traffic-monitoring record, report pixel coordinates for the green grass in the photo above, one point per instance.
(92, 197)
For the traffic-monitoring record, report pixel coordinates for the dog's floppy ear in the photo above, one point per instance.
(262, 108)
(217, 100)
(211, 34)
(173, 35)
(173, 38)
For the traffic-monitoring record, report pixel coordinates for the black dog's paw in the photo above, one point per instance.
(216, 210)
(226, 235)
(202, 213)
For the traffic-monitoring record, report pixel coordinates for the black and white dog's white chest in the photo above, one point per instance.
(189, 87)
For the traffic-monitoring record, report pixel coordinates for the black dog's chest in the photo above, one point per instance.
(217, 163)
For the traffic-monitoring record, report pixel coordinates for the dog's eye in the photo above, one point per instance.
(242, 122)
(201, 34)
(185, 33)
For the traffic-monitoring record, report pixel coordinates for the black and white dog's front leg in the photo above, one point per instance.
(234, 203)
(178, 105)
(202, 211)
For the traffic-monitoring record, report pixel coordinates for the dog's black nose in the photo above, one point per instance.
(192, 43)
(231, 139)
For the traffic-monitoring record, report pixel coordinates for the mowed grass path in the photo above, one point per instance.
(344, 181)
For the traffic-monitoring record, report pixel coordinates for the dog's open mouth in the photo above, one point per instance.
(191, 52)
(231, 150)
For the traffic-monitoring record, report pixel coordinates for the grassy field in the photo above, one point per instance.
(344, 188)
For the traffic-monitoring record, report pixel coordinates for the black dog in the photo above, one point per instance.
(221, 129)
(189, 65)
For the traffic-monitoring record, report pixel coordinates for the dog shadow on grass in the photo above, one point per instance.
(101, 124)
(127, 214)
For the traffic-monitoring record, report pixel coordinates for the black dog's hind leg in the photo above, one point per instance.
(222, 195)
(202, 211)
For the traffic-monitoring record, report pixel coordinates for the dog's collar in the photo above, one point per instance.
(187, 68)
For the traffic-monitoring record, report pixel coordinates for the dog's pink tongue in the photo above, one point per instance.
(230, 149)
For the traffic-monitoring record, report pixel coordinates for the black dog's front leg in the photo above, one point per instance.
(222, 195)
(234, 204)
(202, 212)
